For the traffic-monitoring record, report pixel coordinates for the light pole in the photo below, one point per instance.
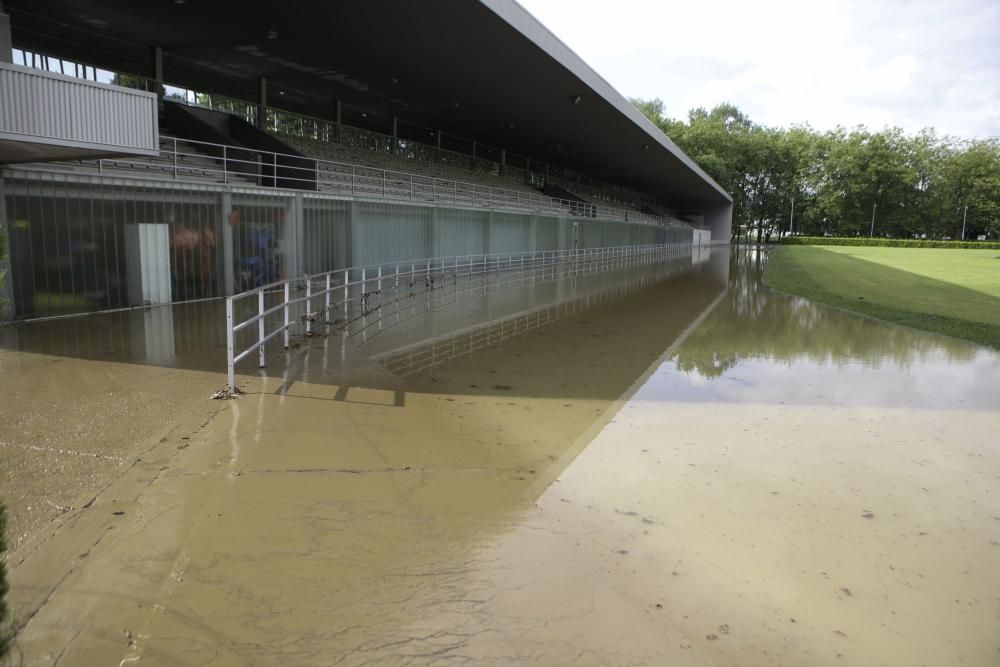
(871, 232)
(791, 219)
(965, 215)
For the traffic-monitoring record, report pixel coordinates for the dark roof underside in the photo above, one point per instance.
(484, 70)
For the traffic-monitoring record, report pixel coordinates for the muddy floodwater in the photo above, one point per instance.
(660, 464)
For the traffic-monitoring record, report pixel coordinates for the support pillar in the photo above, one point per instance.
(261, 102)
(292, 238)
(434, 233)
(395, 135)
(439, 139)
(6, 43)
(355, 254)
(488, 233)
(474, 148)
(158, 73)
(503, 161)
(7, 289)
(228, 275)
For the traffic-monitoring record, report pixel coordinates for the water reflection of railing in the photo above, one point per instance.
(427, 354)
(361, 299)
(454, 285)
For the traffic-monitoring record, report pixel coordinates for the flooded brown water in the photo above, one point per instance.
(665, 465)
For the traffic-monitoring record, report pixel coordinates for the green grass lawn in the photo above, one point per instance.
(953, 292)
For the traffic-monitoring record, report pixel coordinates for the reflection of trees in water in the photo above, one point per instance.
(753, 322)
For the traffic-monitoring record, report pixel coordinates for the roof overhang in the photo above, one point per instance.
(486, 70)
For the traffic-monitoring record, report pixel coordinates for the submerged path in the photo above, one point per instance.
(697, 472)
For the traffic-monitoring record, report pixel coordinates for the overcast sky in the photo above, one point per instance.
(927, 63)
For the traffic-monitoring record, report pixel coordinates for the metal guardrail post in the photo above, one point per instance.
(326, 297)
(347, 292)
(287, 295)
(230, 352)
(260, 325)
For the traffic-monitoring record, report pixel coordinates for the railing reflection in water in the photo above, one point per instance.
(364, 301)
(424, 355)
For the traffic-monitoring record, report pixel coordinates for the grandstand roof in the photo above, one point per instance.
(483, 69)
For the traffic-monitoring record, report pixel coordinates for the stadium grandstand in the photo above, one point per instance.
(176, 150)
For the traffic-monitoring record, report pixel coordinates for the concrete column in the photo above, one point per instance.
(261, 102)
(292, 238)
(354, 255)
(434, 233)
(158, 72)
(7, 290)
(488, 232)
(228, 277)
(6, 43)
(719, 221)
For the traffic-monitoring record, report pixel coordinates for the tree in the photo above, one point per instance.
(913, 185)
(971, 176)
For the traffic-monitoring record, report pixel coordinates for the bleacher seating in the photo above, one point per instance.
(353, 171)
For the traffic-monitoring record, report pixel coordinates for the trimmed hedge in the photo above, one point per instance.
(888, 243)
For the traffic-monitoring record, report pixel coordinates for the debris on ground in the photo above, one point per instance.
(226, 395)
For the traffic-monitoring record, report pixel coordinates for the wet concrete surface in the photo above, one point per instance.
(684, 469)
(81, 398)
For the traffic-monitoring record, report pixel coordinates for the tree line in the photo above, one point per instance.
(841, 182)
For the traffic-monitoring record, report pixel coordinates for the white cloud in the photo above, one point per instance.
(891, 62)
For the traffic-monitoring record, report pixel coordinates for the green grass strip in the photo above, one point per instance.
(945, 296)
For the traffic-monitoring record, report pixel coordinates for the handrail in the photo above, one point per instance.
(233, 164)
(356, 293)
(183, 158)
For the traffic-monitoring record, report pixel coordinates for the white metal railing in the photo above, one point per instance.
(186, 159)
(359, 298)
